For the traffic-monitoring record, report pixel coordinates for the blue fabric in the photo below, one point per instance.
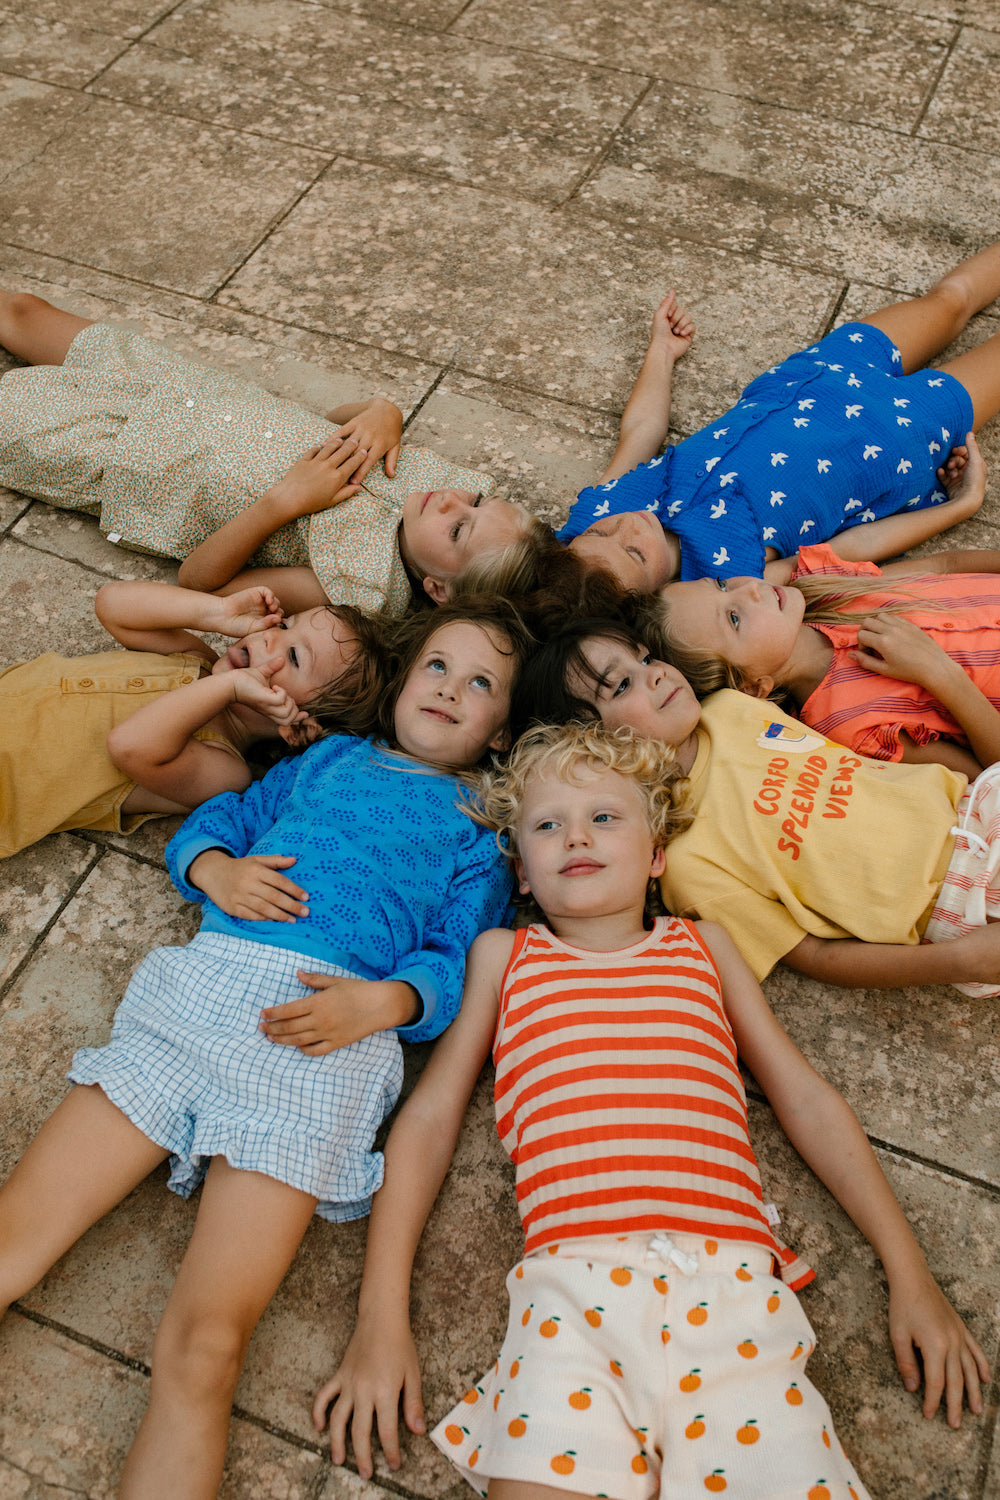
(189, 1067)
(833, 437)
(400, 881)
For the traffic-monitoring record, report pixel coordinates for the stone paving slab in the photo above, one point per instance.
(845, 60)
(361, 88)
(568, 307)
(55, 50)
(964, 105)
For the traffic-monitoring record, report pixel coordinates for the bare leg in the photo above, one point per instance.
(36, 331)
(517, 1489)
(979, 372)
(924, 326)
(248, 1229)
(87, 1157)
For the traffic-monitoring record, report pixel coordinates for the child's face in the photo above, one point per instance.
(632, 689)
(442, 530)
(585, 845)
(455, 701)
(632, 547)
(750, 624)
(314, 647)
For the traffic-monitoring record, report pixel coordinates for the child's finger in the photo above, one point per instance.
(387, 1417)
(934, 1382)
(315, 982)
(361, 1437)
(323, 1401)
(413, 1403)
(391, 459)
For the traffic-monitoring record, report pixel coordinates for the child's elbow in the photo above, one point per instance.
(124, 752)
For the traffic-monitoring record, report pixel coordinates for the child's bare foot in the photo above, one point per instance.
(963, 474)
(673, 327)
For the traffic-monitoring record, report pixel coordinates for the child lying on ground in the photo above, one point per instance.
(109, 740)
(845, 438)
(399, 883)
(651, 1348)
(798, 845)
(905, 669)
(168, 451)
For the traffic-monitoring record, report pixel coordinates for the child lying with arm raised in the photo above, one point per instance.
(649, 1278)
(108, 740)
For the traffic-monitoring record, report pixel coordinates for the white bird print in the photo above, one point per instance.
(777, 496)
(768, 534)
(673, 509)
(654, 463)
(653, 506)
(938, 495)
(806, 526)
(853, 380)
(801, 422)
(900, 401)
(904, 466)
(852, 504)
(867, 515)
(853, 411)
(602, 510)
(718, 510)
(711, 463)
(807, 404)
(933, 447)
(935, 382)
(914, 501)
(777, 458)
(813, 350)
(946, 435)
(725, 479)
(823, 465)
(720, 557)
(871, 451)
(855, 338)
(903, 422)
(720, 432)
(896, 357)
(835, 367)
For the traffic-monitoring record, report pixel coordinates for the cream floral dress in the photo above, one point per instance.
(164, 450)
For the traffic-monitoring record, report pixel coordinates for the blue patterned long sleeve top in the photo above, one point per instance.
(400, 880)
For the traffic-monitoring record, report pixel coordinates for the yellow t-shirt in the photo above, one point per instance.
(57, 713)
(796, 835)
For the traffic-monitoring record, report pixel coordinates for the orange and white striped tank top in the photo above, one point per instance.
(618, 1095)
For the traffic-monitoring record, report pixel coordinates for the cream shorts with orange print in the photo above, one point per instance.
(652, 1365)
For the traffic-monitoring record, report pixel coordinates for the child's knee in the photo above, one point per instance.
(21, 310)
(955, 294)
(200, 1356)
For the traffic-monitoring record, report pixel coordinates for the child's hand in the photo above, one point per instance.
(673, 327)
(252, 888)
(247, 611)
(921, 1317)
(963, 474)
(379, 1363)
(252, 686)
(378, 430)
(340, 1011)
(894, 647)
(324, 476)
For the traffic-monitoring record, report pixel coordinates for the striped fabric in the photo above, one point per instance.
(618, 1095)
(869, 712)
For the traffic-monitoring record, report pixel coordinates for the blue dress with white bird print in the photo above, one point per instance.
(833, 437)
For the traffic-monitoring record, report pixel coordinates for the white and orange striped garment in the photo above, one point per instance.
(618, 1095)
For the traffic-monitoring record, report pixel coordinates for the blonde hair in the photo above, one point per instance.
(829, 599)
(559, 748)
(511, 570)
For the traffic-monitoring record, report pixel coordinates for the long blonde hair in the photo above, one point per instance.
(830, 600)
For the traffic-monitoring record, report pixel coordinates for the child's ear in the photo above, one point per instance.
(522, 880)
(436, 590)
(659, 863)
(760, 687)
(303, 733)
(501, 740)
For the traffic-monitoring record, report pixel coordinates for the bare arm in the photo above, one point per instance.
(160, 617)
(323, 477)
(827, 1134)
(971, 959)
(380, 1361)
(156, 748)
(646, 418)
